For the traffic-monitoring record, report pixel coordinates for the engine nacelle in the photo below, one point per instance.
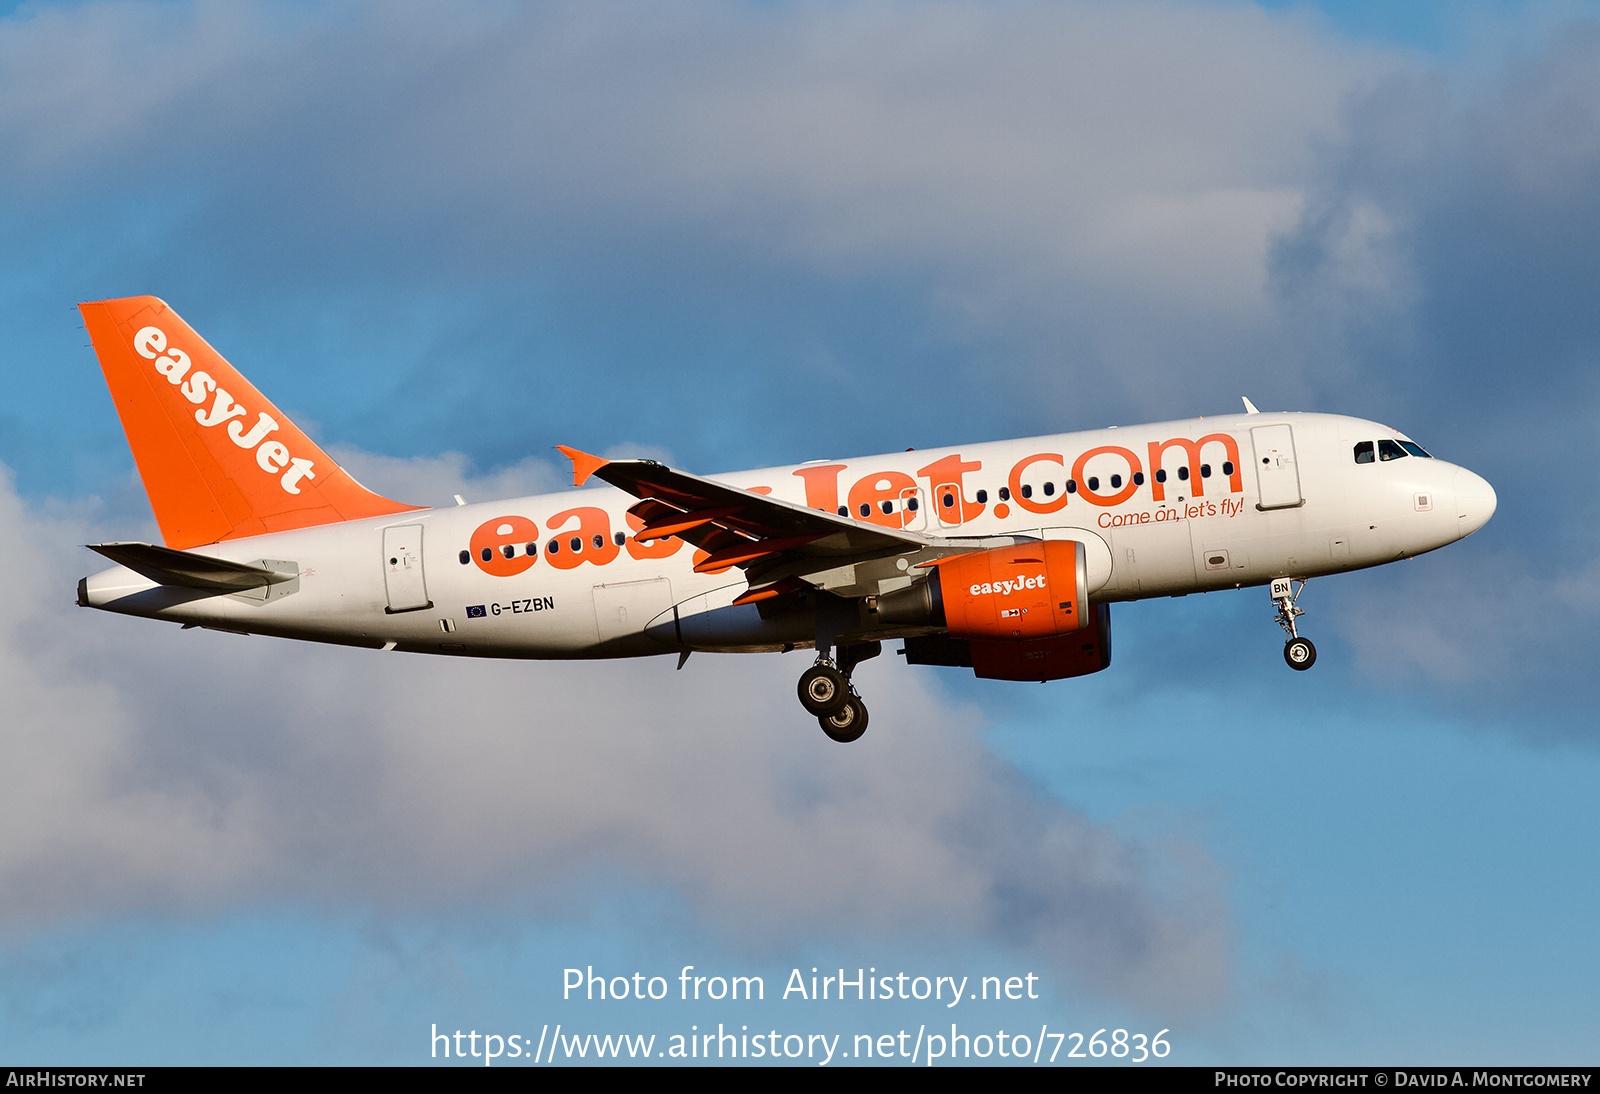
(1027, 591)
(1056, 658)
(1011, 613)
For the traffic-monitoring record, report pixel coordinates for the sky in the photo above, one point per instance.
(446, 237)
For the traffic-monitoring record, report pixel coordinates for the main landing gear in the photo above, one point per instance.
(828, 695)
(1298, 652)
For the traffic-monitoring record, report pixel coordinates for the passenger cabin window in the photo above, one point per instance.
(1364, 452)
(1390, 450)
(983, 497)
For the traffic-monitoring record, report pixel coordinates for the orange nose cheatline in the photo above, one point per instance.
(1475, 502)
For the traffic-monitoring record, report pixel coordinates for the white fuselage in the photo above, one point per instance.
(1249, 498)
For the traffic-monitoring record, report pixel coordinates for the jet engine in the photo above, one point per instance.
(1010, 613)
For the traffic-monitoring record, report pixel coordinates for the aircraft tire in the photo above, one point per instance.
(1300, 654)
(823, 690)
(848, 724)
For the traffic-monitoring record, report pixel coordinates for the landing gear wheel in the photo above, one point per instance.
(848, 724)
(823, 690)
(1300, 653)
(1297, 651)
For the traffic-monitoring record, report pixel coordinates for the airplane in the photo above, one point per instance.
(1002, 557)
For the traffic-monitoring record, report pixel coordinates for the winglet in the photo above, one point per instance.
(1249, 407)
(583, 464)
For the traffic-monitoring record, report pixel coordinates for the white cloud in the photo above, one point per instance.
(435, 480)
(1483, 625)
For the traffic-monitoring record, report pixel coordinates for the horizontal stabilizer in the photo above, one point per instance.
(189, 570)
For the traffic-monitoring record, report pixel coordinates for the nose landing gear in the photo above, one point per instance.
(827, 694)
(1298, 652)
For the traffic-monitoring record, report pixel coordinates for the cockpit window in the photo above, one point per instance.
(1364, 452)
(1415, 449)
(1390, 450)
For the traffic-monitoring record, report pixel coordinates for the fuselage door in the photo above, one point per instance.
(1276, 472)
(623, 609)
(402, 568)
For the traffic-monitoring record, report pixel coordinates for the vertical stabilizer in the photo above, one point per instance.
(218, 460)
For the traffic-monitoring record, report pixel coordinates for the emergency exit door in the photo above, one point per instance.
(402, 569)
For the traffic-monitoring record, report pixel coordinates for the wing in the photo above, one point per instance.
(776, 543)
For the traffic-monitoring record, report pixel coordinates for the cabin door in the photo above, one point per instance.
(402, 568)
(1276, 473)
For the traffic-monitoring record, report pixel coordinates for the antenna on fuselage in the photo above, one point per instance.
(1249, 407)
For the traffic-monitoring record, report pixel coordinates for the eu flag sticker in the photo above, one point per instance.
(475, 611)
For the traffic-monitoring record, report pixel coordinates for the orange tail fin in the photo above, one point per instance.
(218, 460)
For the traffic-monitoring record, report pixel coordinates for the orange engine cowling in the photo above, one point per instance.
(1053, 658)
(1015, 594)
(1010, 613)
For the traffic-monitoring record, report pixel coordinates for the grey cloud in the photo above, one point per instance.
(1445, 274)
(1085, 193)
(1448, 252)
(177, 773)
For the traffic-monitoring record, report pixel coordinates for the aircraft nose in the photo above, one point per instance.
(1475, 502)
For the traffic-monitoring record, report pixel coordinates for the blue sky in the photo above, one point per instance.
(741, 235)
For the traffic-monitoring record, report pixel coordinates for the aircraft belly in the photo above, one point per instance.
(711, 621)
